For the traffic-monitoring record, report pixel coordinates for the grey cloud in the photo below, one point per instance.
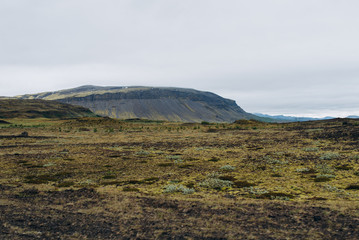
(256, 52)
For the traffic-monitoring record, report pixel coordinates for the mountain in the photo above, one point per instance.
(154, 103)
(27, 108)
(282, 118)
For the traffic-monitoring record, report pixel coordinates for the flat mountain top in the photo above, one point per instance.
(30, 108)
(88, 90)
(154, 103)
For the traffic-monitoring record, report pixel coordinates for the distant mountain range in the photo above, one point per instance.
(282, 118)
(154, 103)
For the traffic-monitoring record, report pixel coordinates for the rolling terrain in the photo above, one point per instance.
(168, 104)
(25, 108)
(101, 178)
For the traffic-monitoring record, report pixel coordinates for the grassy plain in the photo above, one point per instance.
(99, 178)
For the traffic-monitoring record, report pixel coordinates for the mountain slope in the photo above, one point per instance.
(155, 103)
(26, 108)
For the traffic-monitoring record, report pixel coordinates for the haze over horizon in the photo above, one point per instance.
(274, 57)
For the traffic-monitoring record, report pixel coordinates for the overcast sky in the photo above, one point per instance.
(271, 56)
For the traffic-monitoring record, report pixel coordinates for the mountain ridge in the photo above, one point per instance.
(154, 103)
(283, 118)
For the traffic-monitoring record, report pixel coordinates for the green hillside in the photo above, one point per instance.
(25, 108)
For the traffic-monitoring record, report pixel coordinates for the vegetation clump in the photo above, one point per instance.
(173, 188)
(324, 169)
(276, 161)
(324, 177)
(216, 183)
(302, 170)
(330, 156)
(227, 168)
(311, 149)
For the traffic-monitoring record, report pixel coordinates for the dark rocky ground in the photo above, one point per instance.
(86, 214)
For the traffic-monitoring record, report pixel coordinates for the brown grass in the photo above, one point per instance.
(113, 175)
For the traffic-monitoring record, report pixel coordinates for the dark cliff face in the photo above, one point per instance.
(172, 104)
(211, 99)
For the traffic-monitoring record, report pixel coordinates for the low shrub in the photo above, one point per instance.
(324, 169)
(215, 183)
(324, 177)
(227, 168)
(276, 161)
(311, 149)
(330, 156)
(331, 188)
(302, 170)
(142, 153)
(173, 188)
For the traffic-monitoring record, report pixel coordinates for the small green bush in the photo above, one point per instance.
(330, 156)
(302, 170)
(331, 188)
(176, 158)
(142, 153)
(215, 183)
(173, 188)
(324, 169)
(227, 168)
(49, 164)
(311, 149)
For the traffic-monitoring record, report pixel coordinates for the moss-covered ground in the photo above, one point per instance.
(99, 178)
